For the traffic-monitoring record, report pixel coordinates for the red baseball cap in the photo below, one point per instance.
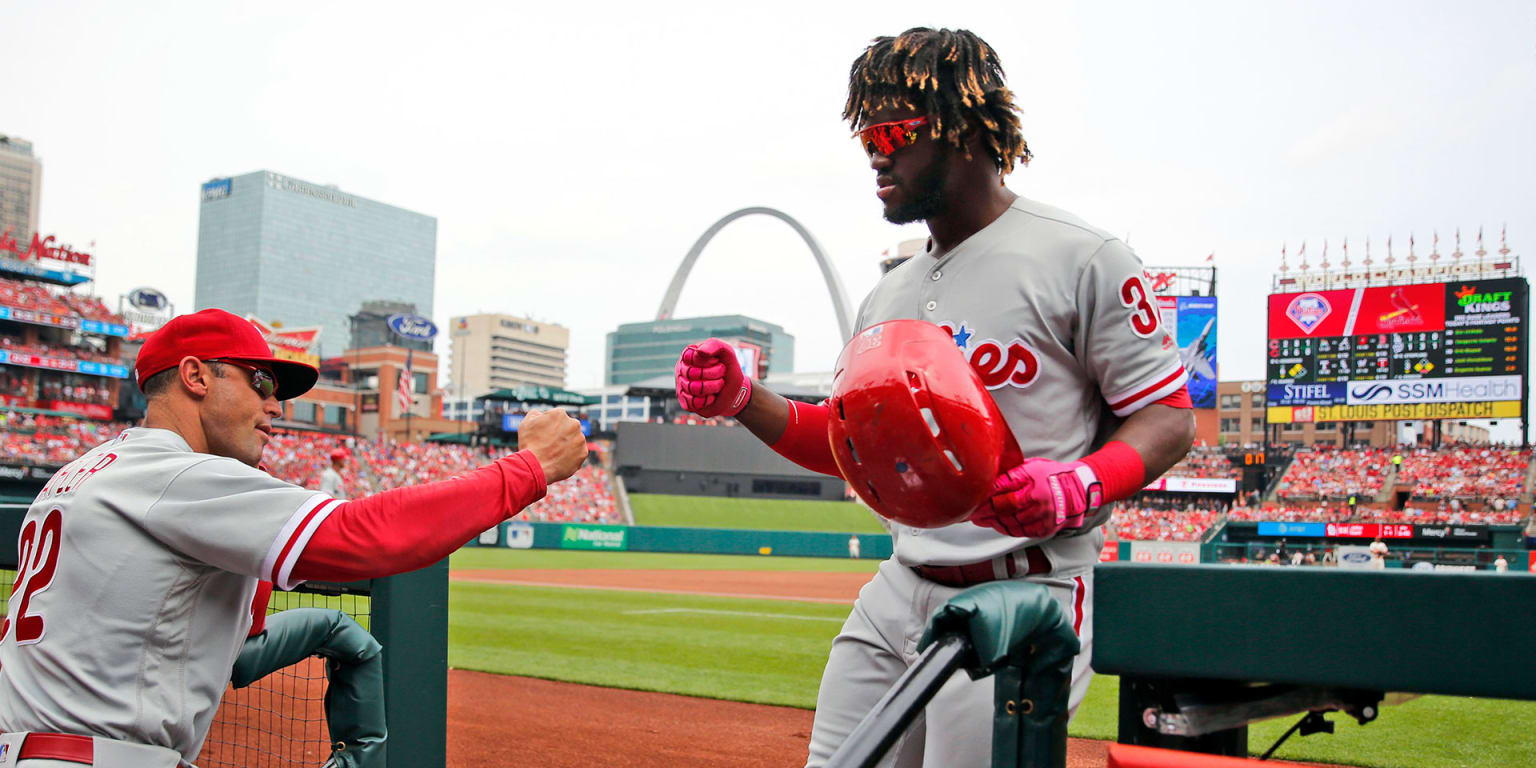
(340, 453)
(214, 333)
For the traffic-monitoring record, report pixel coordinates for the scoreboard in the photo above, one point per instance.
(1426, 351)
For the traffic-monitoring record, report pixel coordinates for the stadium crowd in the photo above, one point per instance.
(27, 438)
(36, 298)
(1465, 473)
(1205, 461)
(1334, 473)
(1149, 517)
(375, 466)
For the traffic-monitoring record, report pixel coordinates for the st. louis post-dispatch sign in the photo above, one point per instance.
(1428, 351)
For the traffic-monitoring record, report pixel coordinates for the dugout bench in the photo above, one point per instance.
(1204, 650)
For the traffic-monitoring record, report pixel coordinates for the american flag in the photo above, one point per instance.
(405, 386)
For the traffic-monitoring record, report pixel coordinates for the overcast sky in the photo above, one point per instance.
(572, 152)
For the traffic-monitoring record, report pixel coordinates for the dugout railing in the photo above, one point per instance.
(279, 721)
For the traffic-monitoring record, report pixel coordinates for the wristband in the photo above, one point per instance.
(1119, 468)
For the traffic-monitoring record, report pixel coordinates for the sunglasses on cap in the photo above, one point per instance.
(262, 379)
(885, 138)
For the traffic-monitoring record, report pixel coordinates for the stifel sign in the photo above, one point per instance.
(43, 248)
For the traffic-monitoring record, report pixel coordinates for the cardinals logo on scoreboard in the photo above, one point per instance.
(1308, 311)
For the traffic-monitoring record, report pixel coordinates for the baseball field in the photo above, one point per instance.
(660, 659)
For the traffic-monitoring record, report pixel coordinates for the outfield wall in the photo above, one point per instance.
(712, 461)
(516, 534)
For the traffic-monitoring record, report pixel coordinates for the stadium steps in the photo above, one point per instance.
(621, 497)
(1272, 492)
(1388, 490)
(1526, 492)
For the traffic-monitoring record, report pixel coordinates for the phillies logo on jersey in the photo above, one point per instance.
(997, 363)
(1308, 310)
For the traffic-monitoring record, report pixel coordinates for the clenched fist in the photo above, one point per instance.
(1040, 497)
(555, 439)
(710, 381)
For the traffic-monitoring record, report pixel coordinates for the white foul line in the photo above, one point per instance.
(739, 613)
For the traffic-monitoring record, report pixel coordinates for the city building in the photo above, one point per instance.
(488, 352)
(21, 187)
(294, 253)
(1240, 409)
(61, 349)
(640, 351)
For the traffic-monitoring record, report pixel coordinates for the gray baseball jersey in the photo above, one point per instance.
(138, 562)
(1057, 319)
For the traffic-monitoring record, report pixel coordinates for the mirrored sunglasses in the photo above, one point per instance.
(885, 138)
(262, 380)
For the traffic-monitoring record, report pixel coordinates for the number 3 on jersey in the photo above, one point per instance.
(1133, 295)
(37, 557)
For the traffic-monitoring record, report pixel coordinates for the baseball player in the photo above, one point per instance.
(1056, 319)
(330, 479)
(138, 562)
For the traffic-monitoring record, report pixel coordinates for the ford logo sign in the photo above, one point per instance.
(412, 327)
(1356, 557)
(148, 299)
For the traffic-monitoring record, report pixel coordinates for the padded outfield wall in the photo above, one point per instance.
(712, 461)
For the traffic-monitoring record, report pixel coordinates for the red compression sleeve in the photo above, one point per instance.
(1119, 468)
(259, 607)
(1179, 399)
(805, 439)
(410, 528)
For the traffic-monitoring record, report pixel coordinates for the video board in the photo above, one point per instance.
(1424, 351)
(1191, 321)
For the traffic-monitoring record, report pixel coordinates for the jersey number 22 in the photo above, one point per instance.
(37, 557)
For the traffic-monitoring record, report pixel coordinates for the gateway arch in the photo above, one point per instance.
(828, 272)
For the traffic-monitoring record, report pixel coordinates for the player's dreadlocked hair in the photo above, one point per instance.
(953, 76)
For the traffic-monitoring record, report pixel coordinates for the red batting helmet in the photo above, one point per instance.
(912, 426)
(339, 454)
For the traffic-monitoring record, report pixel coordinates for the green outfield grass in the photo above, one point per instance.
(772, 652)
(754, 514)
(495, 557)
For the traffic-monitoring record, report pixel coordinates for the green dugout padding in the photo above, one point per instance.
(715, 541)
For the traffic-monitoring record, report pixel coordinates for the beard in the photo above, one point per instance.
(927, 197)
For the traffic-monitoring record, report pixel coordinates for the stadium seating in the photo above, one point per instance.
(1328, 473)
(36, 298)
(1205, 461)
(1134, 521)
(1465, 473)
(1290, 513)
(299, 459)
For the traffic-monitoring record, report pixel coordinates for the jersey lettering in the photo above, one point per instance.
(1133, 295)
(37, 557)
(1015, 365)
(73, 474)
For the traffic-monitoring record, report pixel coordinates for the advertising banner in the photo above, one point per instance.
(1443, 350)
(1509, 409)
(1354, 556)
(301, 345)
(593, 537)
(490, 536)
(519, 535)
(1293, 529)
(1195, 325)
(68, 366)
(1165, 552)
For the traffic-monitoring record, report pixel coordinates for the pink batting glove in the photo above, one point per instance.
(1039, 498)
(710, 381)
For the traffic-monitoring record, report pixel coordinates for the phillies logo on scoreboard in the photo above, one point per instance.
(998, 364)
(1308, 311)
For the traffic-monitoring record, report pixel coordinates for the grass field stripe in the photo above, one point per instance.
(521, 583)
(758, 614)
